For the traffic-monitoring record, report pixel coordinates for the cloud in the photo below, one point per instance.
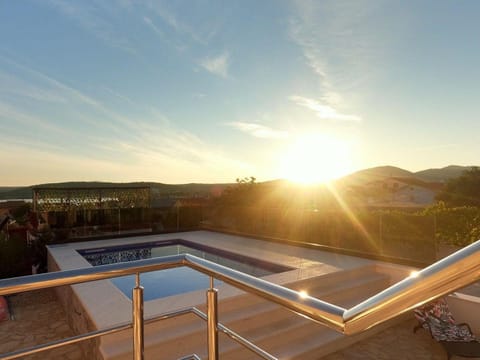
(94, 19)
(117, 95)
(301, 33)
(18, 87)
(309, 48)
(323, 111)
(217, 65)
(152, 26)
(337, 42)
(154, 151)
(157, 30)
(160, 152)
(94, 140)
(259, 131)
(172, 20)
(15, 116)
(69, 94)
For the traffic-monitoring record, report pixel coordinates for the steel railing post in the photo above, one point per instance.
(212, 322)
(137, 315)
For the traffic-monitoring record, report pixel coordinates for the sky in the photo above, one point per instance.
(210, 91)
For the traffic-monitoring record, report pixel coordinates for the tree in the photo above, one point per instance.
(462, 191)
(244, 192)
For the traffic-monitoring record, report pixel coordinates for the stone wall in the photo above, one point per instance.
(77, 317)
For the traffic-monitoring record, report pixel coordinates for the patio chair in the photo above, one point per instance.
(457, 339)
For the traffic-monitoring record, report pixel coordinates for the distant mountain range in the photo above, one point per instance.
(163, 190)
(381, 172)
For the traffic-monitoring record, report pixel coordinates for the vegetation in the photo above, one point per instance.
(462, 191)
(457, 226)
(282, 212)
(244, 192)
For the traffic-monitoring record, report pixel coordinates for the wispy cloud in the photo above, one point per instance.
(55, 165)
(323, 111)
(112, 146)
(95, 20)
(153, 147)
(172, 20)
(336, 42)
(199, 95)
(18, 87)
(117, 95)
(315, 58)
(259, 131)
(71, 95)
(217, 65)
(13, 115)
(309, 49)
(141, 155)
(154, 27)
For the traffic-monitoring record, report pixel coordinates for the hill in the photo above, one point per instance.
(381, 172)
(11, 192)
(373, 174)
(443, 174)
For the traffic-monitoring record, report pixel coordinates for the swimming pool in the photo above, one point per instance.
(174, 281)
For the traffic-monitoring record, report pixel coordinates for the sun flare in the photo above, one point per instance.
(316, 158)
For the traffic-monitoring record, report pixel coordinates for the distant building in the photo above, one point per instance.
(414, 194)
(398, 192)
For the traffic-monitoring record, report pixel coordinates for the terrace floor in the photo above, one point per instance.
(39, 318)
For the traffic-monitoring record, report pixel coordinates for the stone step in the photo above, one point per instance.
(258, 320)
(325, 281)
(297, 334)
(267, 322)
(331, 292)
(293, 332)
(262, 312)
(314, 347)
(242, 321)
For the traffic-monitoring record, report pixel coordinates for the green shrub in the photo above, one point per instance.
(457, 226)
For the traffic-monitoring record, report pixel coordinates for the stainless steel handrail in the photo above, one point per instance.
(445, 276)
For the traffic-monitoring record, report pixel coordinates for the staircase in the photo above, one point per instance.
(269, 326)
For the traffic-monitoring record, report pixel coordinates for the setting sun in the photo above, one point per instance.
(316, 158)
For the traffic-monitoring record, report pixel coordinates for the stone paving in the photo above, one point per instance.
(397, 342)
(39, 318)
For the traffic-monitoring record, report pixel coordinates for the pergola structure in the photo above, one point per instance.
(47, 199)
(73, 201)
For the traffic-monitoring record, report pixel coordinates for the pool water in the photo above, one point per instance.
(179, 280)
